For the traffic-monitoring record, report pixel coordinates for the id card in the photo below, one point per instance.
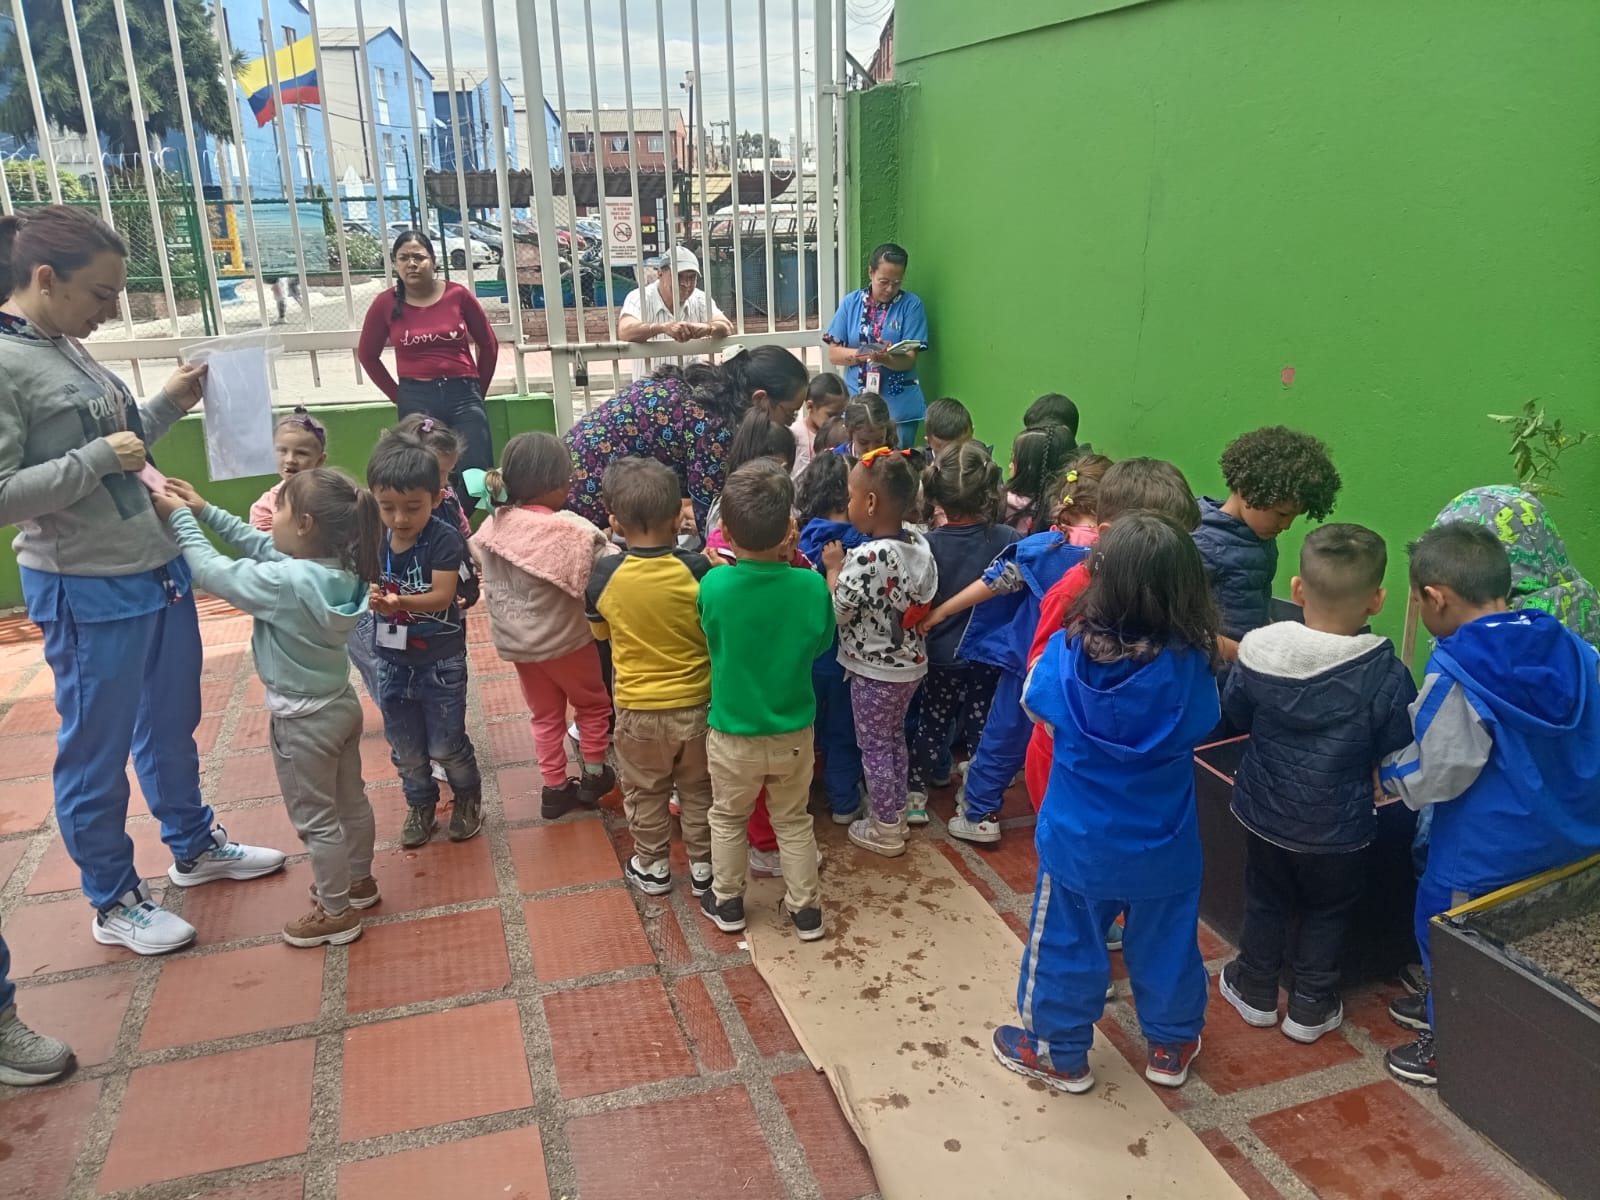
(391, 635)
(152, 479)
(874, 377)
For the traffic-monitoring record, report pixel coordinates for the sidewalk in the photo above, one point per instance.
(517, 1023)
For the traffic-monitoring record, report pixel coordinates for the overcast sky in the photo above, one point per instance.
(864, 19)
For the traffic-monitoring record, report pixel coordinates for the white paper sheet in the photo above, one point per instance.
(238, 409)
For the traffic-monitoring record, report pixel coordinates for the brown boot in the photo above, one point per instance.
(319, 928)
(363, 893)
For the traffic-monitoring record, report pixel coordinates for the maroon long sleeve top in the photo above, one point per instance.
(432, 342)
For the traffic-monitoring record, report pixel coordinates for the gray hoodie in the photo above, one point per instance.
(76, 511)
(880, 582)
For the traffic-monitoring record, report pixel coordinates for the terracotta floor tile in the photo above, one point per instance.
(54, 936)
(85, 1013)
(255, 692)
(667, 936)
(371, 716)
(442, 872)
(251, 731)
(206, 734)
(1240, 1169)
(1014, 860)
(519, 792)
(27, 754)
(376, 763)
(413, 961)
(484, 662)
(553, 856)
(1017, 925)
(11, 853)
(1387, 1145)
(614, 1036)
(165, 1104)
(1237, 1056)
(42, 685)
(30, 716)
(501, 696)
(284, 1187)
(702, 1023)
(1213, 945)
(1133, 1049)
(510, 741)
(837, 1158)
(247, 776)
(225, 632)
(618, 1153)
(497, 1166)
(229, 910)
(57, 872)
(1367, 1008)
(215, 694)
(1015, 803)
(432, 1069)
(225, 662)
(585, 934)
(960, 864)
(263, 825)
(762, 1016)
(24, 806)
(205, 997)
(41, 1130)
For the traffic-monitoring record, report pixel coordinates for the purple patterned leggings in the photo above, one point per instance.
(880, 710)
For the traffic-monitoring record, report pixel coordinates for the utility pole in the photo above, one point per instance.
(723, 126)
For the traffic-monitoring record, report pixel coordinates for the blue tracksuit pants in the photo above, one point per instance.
(1001, 750)
(1066, 969)
(836, 734)
(128, 685)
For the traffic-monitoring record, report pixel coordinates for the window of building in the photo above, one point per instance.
(657, 144)
(581, 143)
(380, 96)
(619, 143)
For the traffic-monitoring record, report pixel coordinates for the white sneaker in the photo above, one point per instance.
(985, 832)
(142, 925)
(226, 860)
(699, 878)
(916, 808)
(652, 880)
(768, 864)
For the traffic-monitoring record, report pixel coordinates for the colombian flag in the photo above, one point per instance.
(297, 81)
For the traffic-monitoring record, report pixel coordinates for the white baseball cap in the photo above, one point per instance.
(683, 259)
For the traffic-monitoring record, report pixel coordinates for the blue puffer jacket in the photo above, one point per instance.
(1240, 565)
(1322, 709)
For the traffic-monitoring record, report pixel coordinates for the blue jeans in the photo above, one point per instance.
(129, 685)
(459, 404)
(1066, 969)
(425, 717)
(364, 653)
(1001, 750)
(8, 990)
(836, 734)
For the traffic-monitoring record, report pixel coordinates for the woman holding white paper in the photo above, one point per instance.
(876, 336)
(435, 327)
(102, 576)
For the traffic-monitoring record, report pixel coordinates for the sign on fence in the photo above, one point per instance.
(622, 232)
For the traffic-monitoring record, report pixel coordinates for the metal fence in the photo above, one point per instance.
(748, 179)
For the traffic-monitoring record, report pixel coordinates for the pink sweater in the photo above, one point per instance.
(536, 564)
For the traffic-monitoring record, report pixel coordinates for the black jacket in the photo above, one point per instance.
(1240, 566)
(1321, 710)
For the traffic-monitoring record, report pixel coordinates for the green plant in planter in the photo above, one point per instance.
(1537, 444)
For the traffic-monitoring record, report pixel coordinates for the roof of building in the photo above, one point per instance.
(615, 120)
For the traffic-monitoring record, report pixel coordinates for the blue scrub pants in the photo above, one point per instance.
(1066, 969)
(1001, 750)
(836, 734)
(8, 990)
(1434, 898)
(129, 685)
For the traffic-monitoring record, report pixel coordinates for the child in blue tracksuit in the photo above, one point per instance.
(823, 498)
(1128, 692)
(1506, 746)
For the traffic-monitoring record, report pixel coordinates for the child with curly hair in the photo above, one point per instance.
(1273, 475)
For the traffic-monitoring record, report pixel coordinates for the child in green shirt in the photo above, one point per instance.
(762, 703)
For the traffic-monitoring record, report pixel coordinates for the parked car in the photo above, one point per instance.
(529, 262)
(589, 227)
(453, 246)
(485, 232)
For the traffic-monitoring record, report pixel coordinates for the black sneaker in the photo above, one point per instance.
(418, 827)
(559, 801)
(1413, 978)
(1410, 1012)
(1255, 1006)
(466, 816)
(1310, 1017)
(728, 916)
(807, 922)
(592, 787)
(1414, 1062)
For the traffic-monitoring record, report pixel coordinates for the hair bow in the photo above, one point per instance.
(427, 425)
(872, 456)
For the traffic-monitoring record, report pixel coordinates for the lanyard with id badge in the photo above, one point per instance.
(391, 635)
(873, 317)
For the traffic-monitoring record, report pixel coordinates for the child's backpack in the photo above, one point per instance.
(470, 586)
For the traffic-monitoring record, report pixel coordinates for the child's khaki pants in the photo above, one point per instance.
(658, 749)
(740, 768)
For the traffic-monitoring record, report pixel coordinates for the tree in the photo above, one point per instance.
(210, 85)
(750, 146)
(30, 182)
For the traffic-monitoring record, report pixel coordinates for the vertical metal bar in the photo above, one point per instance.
(503, 183)
(181, 76)
(572, 202)
(36, 97)
(841, 119)
(733, 136)
(333, 189)
(369, 112)
(244, 177)
(827, 257)
(799, 177)
(544, 208)
(5, 193)
(700, 144)
(143, 138)
(766, 164)
(423, 161)
(280, 121)
(633, 164)
(455, 141)
(600, 174)
(669, 143)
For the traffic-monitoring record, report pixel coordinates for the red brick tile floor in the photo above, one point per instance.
(517, 1022)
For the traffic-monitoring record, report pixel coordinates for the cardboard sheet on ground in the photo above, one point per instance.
(238, 406)
(897, 1004)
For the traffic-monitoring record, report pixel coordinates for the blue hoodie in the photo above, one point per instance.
(1001, 630)
(1507, 744)
(816, 534)
(1118, 820)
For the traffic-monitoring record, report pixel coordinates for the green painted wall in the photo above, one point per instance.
(873, 119)
(352, 431)
(1159, 208)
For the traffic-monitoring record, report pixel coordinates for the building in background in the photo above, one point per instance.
(605, 133)
(382, 126)
(467, 126)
